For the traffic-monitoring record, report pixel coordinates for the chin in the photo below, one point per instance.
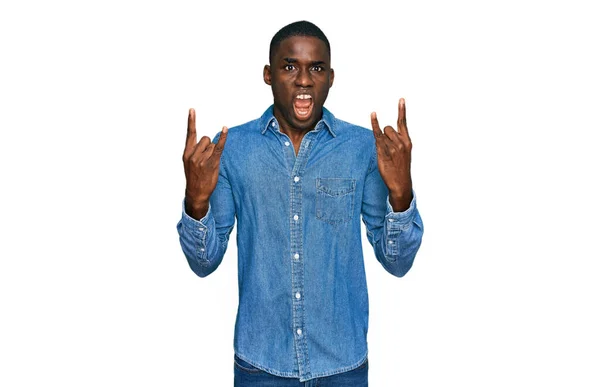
(308, 122)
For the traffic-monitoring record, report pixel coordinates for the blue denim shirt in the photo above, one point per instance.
(303, 304)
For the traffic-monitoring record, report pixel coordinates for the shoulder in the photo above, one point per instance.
(241, 132)
(354, 133)
(352, 129)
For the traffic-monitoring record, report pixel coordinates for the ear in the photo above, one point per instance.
(267, 74)
(331, 76)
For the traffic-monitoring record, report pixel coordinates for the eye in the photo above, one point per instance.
(317, 68)
(288, 67)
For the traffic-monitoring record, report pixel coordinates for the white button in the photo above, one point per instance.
(202, 249)
(287, 143)
(297, 256)
(201, 229)
(296, 179)
(391, 242)
(298, 295)
(273, 123)
(390, 220)
(299, 332)
(295, 217)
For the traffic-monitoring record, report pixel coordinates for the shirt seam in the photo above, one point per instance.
(297, 374)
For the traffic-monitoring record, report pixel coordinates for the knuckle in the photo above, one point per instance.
(194, 158)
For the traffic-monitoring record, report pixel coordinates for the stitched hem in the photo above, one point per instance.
(338, 371)
(308, 377)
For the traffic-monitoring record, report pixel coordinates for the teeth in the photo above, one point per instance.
(303, 96)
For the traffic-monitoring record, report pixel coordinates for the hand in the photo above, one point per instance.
(393, 159)
(201, 163)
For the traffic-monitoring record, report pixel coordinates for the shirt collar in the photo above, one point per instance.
(268, 121)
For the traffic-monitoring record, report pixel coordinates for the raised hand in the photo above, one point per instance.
(393, 158)
(201, 163)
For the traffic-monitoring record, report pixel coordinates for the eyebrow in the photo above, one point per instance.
(294, 60)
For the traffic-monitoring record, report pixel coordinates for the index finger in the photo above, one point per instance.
(375, 125)
(190, 140)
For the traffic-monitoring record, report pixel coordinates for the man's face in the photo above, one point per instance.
(300, 77)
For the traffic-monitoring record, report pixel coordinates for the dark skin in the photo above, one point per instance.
(393, 158)
(201, 162)
(299, 67)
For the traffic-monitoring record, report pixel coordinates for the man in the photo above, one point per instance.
(298, 181)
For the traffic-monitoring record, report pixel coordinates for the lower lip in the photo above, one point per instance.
(303, 114)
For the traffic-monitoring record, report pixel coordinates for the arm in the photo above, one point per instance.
(395, 236)
(208, 209)
(204, 241)
(397, 240)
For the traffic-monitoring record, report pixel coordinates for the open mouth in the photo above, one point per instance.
(303, 106)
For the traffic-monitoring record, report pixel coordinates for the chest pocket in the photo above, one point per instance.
(335, 199)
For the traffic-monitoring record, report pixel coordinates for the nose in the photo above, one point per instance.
(304, 78)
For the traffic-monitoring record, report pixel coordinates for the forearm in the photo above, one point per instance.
(401, 200)
(196, 209)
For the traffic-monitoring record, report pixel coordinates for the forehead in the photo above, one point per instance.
(302, 47)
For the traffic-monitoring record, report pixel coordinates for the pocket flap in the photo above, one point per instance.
(335, 186)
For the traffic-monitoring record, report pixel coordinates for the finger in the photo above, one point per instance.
(375, 125)
(208, 152)
(221, 143)
(392, 135)
(201, 147)
(190, 140)
(383, 147)
(402, 128)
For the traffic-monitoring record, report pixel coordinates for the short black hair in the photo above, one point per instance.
(299, 28)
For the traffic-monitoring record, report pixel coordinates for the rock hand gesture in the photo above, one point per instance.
(393, 159)
(201, 163)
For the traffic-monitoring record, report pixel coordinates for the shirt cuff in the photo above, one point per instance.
(401, 221)
(198, 227)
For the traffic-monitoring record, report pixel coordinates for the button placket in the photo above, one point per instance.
(296, 233)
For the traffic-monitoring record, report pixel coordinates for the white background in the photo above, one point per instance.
(502, 106)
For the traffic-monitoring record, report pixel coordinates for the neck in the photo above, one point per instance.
(295, 134)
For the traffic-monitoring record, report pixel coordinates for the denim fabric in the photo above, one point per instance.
(303, 304)
(246, 375)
